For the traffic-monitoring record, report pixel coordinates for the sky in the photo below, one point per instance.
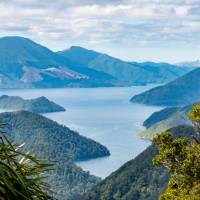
(134, 30)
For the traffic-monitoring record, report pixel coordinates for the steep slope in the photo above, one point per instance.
(58, 144)
(138, 179)
(126, 73)
(18, 51)
(25, 63)
(38, 105)
(182, 91)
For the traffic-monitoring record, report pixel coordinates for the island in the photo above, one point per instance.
(37, 105)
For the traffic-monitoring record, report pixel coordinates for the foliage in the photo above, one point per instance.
(182, 158)
(137, 179)
(21, 174)
(49, 139)
(194, 116)
(57, 143)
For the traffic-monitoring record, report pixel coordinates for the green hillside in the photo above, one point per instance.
(159, 116)
(165, 119)
(182, 91)
(138, 179)
(38, 105)
(59, 145)
(125, 73)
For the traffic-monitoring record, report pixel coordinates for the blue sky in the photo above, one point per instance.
(157, 30)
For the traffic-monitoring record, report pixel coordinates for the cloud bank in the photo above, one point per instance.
(109, 23)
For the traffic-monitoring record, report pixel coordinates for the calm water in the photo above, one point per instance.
(103, 114)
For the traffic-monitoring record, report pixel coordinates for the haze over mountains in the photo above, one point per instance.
(26, 64)
(194, 64)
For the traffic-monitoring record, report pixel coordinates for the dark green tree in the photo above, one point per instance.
(182, 158)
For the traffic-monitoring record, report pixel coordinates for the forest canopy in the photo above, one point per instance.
(182, 158)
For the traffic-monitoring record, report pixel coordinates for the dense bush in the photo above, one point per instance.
(21, 174)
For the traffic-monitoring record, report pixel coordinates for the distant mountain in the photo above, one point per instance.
(26, 64)
(165, 72)
(79, 55)
(59, 145)
(125, 73)
(192, 64)
(38, 105)
(165, 119)
(182, 91)
(138, 179)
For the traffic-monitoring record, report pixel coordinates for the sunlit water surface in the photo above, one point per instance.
(103, 114)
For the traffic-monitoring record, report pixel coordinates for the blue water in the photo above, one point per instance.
(103, 114)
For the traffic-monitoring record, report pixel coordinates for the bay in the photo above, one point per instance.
(103, 114)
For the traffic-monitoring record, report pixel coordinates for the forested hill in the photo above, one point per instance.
(166, 119)
(138, 179)
(160, 115)
(38, 105)
(58, 144)
(183, 91)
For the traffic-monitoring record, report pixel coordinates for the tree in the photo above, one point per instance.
(182, 158)
(194, 116)
(21, 174)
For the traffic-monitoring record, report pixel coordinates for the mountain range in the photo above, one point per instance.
(60, 146)
(183, 91)
(26, 64)
(125, 73)
(38, 105)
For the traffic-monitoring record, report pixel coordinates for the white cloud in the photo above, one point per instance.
(138, 23)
